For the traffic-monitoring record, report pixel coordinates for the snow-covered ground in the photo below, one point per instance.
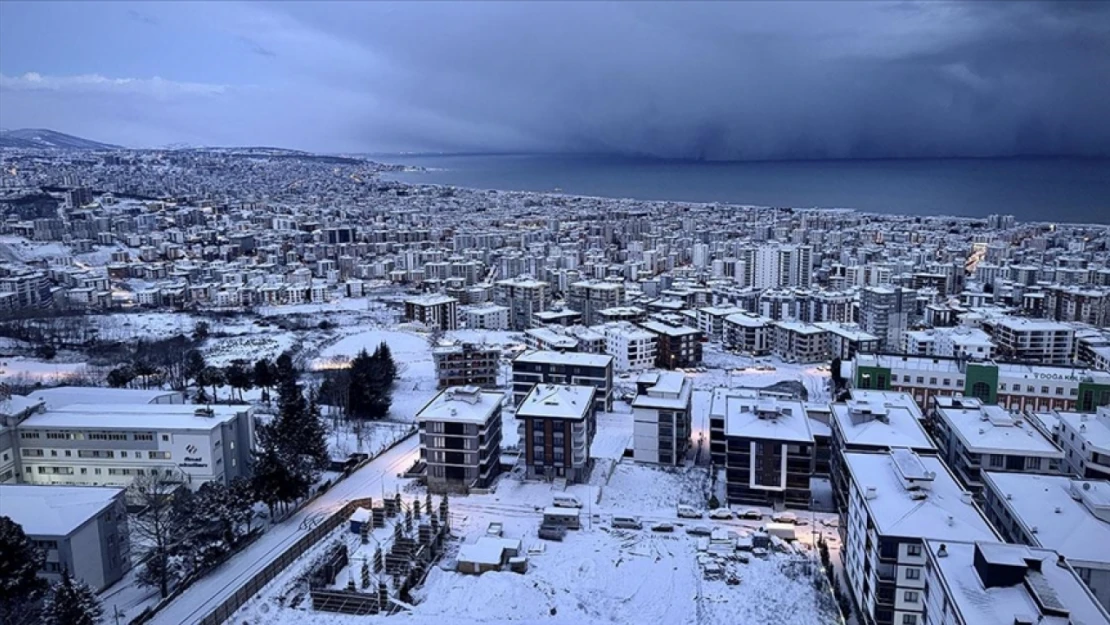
(597, 575)
(48, 372)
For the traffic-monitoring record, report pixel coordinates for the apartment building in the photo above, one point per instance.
(1067, 515)
(873, 421)
(749, 334)
(466, 364)
(718, 409)
(549, 339)
(974, 437)
(896, 502)
(460, 439)
(524, 297)
(82, 530)
(1085, 439)
(548, 367)
(489, 317)
(796, 341)
(678, 345)
(439, 312)
(990, 583)
(632, 347)
(557, 425)
(1032, 340)
(590, 296)
(1016, 386)
(711, 320)
(661, 418)
(886, 313)
(845, 341)
(111, 444)
(768, 452)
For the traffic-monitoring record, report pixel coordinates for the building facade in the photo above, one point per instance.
(661, 418)
(548, 367)
(557, 426)
(460, 439)
(466, 364)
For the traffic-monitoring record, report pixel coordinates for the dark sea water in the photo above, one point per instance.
(1061, 190)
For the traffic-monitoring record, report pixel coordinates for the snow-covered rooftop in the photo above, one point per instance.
(557, 401)
(767, 418)
(875, 420)
(1075, 531)
(430, 300)
(66, 395)
(659, 327)
(1002, 605)
(990, 429)
(461, 404)
(1094, 428)
(152, 417)
(671, 390)
(53, 510)
(936, 507)
(565, 358)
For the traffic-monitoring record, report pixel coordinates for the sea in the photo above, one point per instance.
(1031, 189)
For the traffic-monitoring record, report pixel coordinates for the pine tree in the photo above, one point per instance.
(71, 602)
(239, 378)
(194, 364)
(264, 377)
(21, 588)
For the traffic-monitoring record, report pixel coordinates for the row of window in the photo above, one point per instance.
(98, 471)
(94, 453)
(68, 435)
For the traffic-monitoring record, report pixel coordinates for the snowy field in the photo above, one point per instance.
(596, 575)
(48, 372)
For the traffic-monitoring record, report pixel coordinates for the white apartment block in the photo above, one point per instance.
(491, 317)
(1032, 340)
(796, 341)
(524, 297)
(1069, 516)
(750, 334)
(1085, 439)
(961, 342)
(632, 347)
(896, 502)
(661, 418)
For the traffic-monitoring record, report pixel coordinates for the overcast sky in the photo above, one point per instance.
(719, 80)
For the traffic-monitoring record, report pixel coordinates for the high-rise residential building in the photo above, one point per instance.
(774, 265)
(550, 367)
(1032, 340)
(768, 451)
(590, 296)
(466, 364)
(886, 313)
(524, 297)
(438, 312)
(557, 426)
(661, 418)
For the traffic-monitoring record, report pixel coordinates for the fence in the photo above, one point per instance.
(230, 605)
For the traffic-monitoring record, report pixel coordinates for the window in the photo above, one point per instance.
(910, 596)
(28, 435)
(909, 619)
(981, 390)
(913, 550)
(997, 461)
(1032, 464)
(165, 437)
(158, 455)
(144, 436)
(123, 454)
(913, 573)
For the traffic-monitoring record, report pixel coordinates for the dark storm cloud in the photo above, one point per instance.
(718, 80)
(734, 80)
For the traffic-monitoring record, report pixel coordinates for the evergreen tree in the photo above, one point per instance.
(359, 386)
(194, 364)
(121, 376)
(389, 365)
(211, 376)
(200, 331)
(71, 602)
(239, 378)
(264, 377)
(21, 588)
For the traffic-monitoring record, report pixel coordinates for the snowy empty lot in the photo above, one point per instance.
(596, 575)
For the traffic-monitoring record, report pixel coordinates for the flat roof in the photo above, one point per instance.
(461, 405)
(671, 390)
(1034, 499)
(749, 320)
(767, 418)
(1094, 428)
(430, 300)
(565, 358)
(144, 417)
(552, 337)
(898, 511)
(53, 510)
(1000, 605)
(992, 429)
(850, 332)
(557, 401)
(877, 422)
(66, 395)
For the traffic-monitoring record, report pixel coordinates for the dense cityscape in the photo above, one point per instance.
(266, 386)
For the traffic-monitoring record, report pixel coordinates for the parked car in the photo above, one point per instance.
(627, 522)
(750, 513)
(699, 530)
(662, 527)
(566, 501)
(785, 517)
(689, 512)
(720, 514)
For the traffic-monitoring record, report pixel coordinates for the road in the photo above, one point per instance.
(378, 476)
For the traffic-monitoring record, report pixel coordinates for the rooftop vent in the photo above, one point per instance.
(871, 493)
(204, 412)
(943, 551)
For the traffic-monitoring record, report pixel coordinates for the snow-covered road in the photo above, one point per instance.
(378, 476)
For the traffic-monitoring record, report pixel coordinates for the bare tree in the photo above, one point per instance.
(157, 526)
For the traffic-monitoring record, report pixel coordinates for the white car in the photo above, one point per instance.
(689, 512)
(566, 501)
(750, 513)
(784, 517)
(720, 514)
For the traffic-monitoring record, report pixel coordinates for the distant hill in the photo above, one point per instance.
(42, 138)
